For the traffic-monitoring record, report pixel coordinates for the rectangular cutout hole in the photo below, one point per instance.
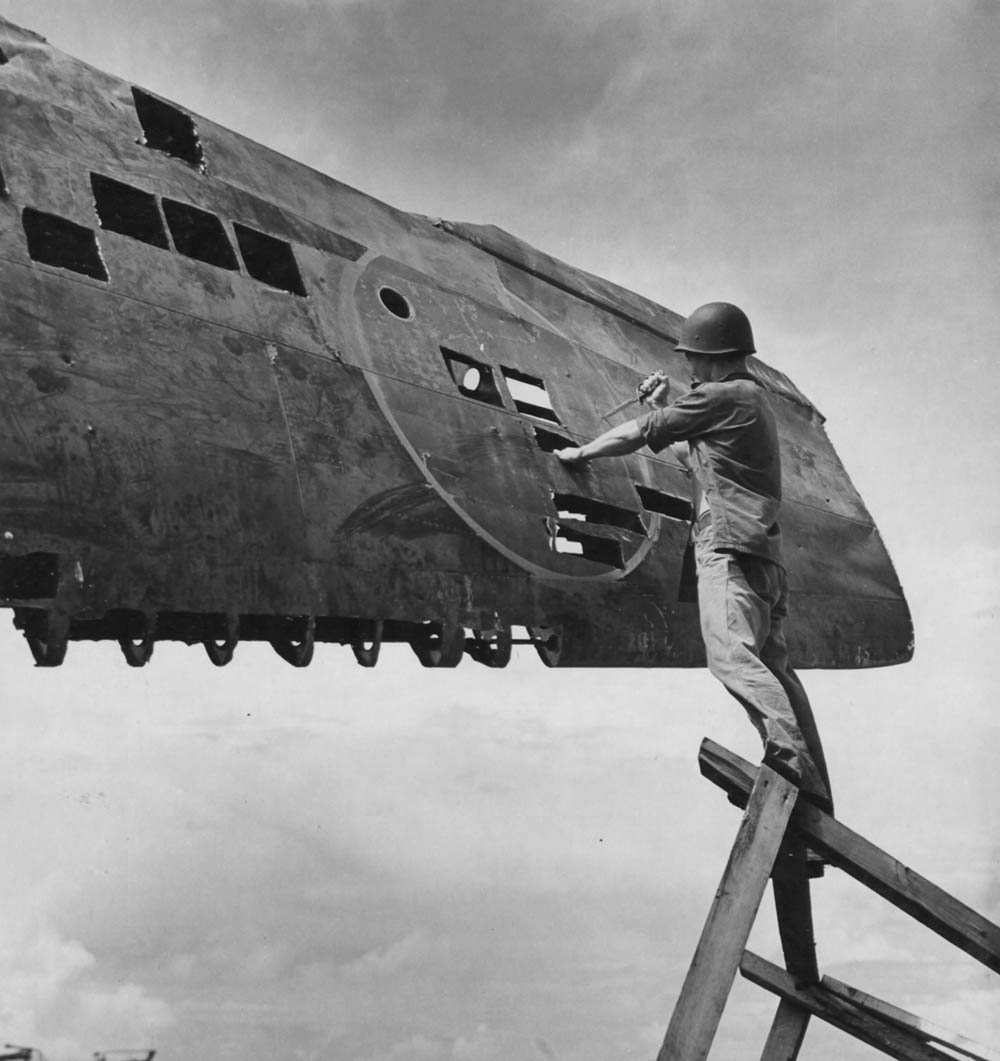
(129, 211)
(529, 395)
(167, 129)
(550, 441)
(199, 234)
(33, 576)
(572, 542)
(666, 504)
(473, 378)
(56, 241)
(600, 513)
(269, 260)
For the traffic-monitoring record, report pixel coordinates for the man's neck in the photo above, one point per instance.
(719, 370)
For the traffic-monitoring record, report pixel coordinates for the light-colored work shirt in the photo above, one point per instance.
(735, 459)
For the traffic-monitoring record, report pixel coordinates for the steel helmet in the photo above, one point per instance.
(716, 328)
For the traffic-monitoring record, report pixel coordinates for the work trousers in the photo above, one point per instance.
(743, 601)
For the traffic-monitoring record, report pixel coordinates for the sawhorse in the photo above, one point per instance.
(771, 845)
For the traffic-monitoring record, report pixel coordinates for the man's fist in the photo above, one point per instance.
(572, 455)
(654, 389)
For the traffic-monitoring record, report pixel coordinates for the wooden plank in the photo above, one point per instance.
(900, 885)
(696, 1016)
(923, 1028)
(870, 1028)
(793, 906)
(787, 1032)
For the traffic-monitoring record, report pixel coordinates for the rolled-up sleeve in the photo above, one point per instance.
(688, 417)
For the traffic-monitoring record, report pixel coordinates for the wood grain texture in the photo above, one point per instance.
(873, 867)
(874, 1030)
(788, 1030)
(713, 968)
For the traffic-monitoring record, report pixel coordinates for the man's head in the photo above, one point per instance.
(716, 339)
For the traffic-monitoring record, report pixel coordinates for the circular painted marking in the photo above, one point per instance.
(425, 406)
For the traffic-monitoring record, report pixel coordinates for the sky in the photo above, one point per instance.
(406, 865)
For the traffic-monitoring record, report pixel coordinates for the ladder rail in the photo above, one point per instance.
(776, 827)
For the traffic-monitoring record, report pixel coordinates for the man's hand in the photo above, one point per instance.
(654, 389)
(572, 455)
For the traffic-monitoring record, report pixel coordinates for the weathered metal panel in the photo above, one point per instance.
(189, 440)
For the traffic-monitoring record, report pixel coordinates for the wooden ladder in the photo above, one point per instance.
(771, 845)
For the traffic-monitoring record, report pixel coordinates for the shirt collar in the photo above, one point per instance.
(726, 379)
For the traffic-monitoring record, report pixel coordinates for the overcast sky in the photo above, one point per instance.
(402, 865)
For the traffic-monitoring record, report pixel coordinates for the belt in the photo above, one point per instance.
(702, 521)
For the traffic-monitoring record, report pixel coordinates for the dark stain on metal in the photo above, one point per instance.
(48, 381)
(236, 345)
(296, 367)
(402, 506)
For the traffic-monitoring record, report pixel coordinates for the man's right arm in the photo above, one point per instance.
(626, 438)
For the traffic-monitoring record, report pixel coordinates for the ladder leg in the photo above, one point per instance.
(787, 1032)
(713, 968)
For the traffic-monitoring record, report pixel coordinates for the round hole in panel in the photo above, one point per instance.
(472, 378)
(395, 303)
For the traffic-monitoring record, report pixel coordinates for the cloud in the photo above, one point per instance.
(56, 995)
(398, 958)
(482, 1043)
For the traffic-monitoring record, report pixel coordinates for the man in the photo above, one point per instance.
(732, 451)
